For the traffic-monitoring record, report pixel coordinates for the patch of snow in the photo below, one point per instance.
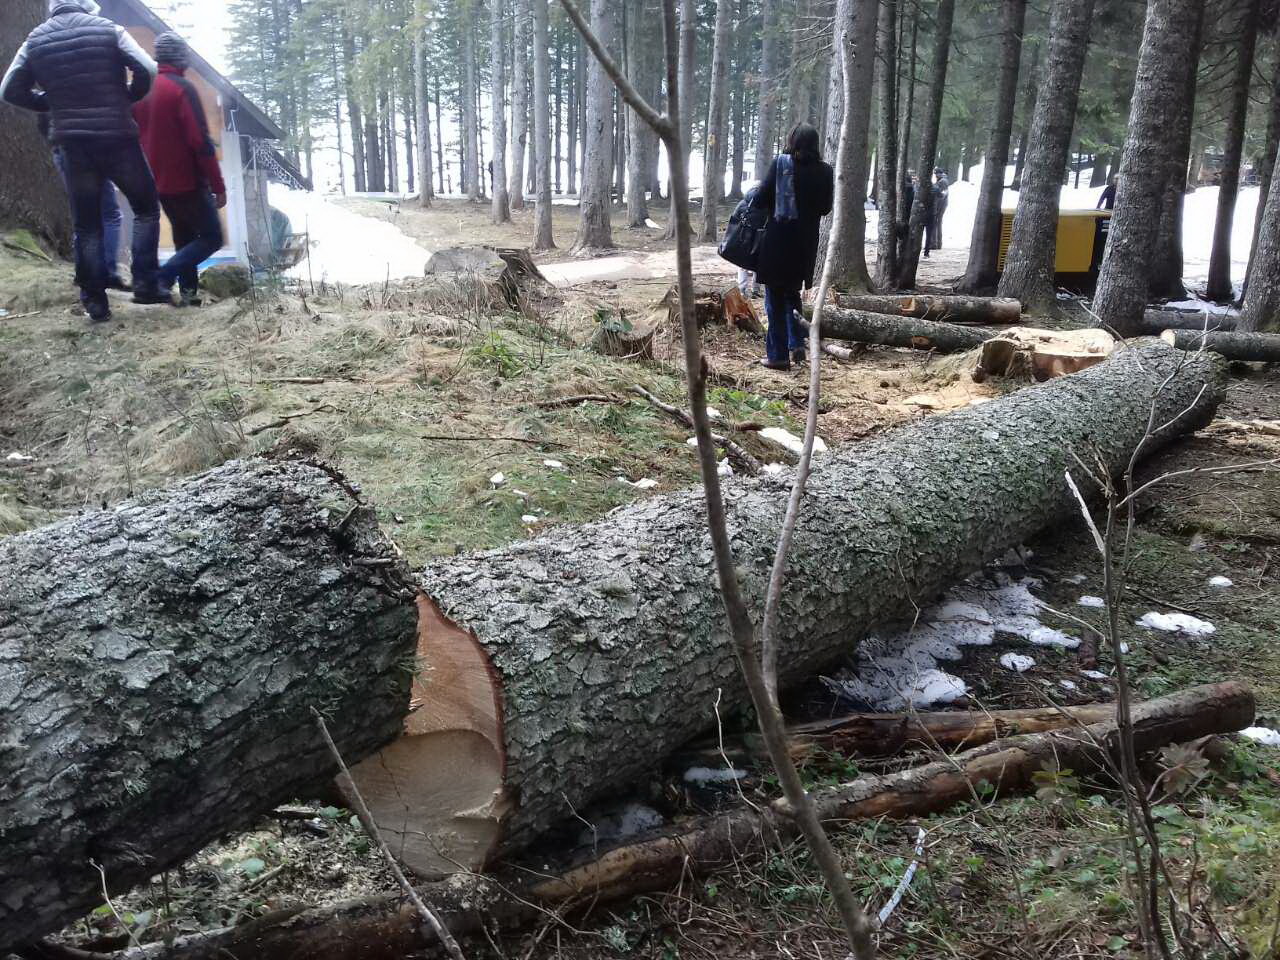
(692, 442)
(530, 519)
(1264, 735)
(651, 225)
(648, 483)
(773, 469)
(17, 457)
(1087, 601)
(725, 469)
(626, 821)
(1049, 637)
(714, 414)
(1016, 661)
(1176, 623)
(789, 441)
(553, 464)
(1221, 583)
(498, 479)
(1094, 674)
(1068, 685)
(520, 494)
(990, 435)
(713, 774)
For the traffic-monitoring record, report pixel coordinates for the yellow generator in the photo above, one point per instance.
(1082, 236)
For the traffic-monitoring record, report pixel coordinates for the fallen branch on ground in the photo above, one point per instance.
(949, 309)
(287, 419)
(862, 327)
(1154, 322)
(737, 454)
(1263, 347)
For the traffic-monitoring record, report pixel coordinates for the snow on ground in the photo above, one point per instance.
(347, 247)
(1176, 623)
(1263, 735)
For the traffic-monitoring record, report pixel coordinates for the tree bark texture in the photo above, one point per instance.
(1262, 347)
(158, 663)
(688, 58)
(1155, 322)
(859, 326)
(888, 175)
(501, 204)
(520, 139)
(859, 18)
(1029, 265)
(542, 234)
(471, 174)
(955, 309)
(1219, 287)
(1267, 163)
(386, 928)
(31, 192)
(602, 649)
(984, 248)
(637, 174)
(922, 207)
(595, 230)
(426, 187)
(1167, 260)
(713, 154)
(1168, 39)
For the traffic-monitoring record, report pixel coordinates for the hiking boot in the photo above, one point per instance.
(153, 296)
(798, 356)
(117, 282)
(189, 298)
(775, 364)
(98, 309)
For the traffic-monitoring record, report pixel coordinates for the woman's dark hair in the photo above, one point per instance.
(803, 143)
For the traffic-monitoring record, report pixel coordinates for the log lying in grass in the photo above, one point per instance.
(953, 309)
(863, 327)
(383, 928)
(561, 667)
(1155, 322)
(157, 665)
(1264, 347)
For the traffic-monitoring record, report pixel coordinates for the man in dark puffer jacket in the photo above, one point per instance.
(74, 67)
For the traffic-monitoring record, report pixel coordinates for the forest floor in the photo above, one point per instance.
(423, 391)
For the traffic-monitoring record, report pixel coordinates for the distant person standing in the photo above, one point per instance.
(1108, 199)
(86, 72)
(175, 136)
(933, 229)
(798, 190)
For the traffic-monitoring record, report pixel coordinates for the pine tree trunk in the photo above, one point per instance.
(739, 91)
(410, 150)
(903, 213)
(471, 172)
(595, 231)
(637, 176)
(1168, 42)
(767, 91)
(335, 77)
(427, 189)
(577, 661)
(358, 170)
(888, 174)
(800, 86)
(542, 238)
(520, 139)
(161, 661)
(501, 206)
(1219, 287)
(688, 58)
(860, 18)
(984, 248)
(571, 154)
(922, 207)
(1167, 261)
(1029, 265)
(713, 158)
(1028, 111)
(1261, 307)
(1266, 165)
(1098, 176)
(32, 194)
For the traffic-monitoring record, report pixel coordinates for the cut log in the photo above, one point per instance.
(862, 327)
(620, 337)
(715, 306)
(1155, 322)
(1263, 347)
(157, 665)
(1033, 354)
(591, 654)
(950, 309)
(384, 928)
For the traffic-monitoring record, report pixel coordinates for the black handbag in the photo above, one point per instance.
(744, 235)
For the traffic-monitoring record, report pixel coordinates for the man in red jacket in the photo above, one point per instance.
(175, 138)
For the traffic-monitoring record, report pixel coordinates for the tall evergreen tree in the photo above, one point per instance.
(716, 130)
(595, 231)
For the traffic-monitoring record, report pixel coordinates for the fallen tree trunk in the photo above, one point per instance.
(564, 666)
(157, 665)
(1155, 322)
(951, 309)
(384, 928)
(1264, 347)
(863, 327)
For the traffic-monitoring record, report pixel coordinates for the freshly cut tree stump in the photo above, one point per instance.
(158, 663)
(617, 336)
(715, 306)
(863, 327)
(565, 666)
(1155, 322)
(1039, 355)
(385, 928)
(952, 309)
(1263, 347)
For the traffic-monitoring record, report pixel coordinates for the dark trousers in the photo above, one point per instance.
(89, 164)
(197, 235)
(112, 219)
(784, 333)
(933, 232)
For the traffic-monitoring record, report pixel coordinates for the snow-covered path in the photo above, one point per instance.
(635, 266)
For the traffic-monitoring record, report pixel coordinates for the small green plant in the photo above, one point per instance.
(495, 352)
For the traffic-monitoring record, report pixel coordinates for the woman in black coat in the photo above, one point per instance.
(797, 192)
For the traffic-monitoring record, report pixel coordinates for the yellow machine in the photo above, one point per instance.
(1082, 236)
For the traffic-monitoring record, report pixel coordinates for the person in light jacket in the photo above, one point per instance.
(798, 192)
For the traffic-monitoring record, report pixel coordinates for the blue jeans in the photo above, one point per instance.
(112, 219)
(89, 164)
(197, 235)
(784, 334)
